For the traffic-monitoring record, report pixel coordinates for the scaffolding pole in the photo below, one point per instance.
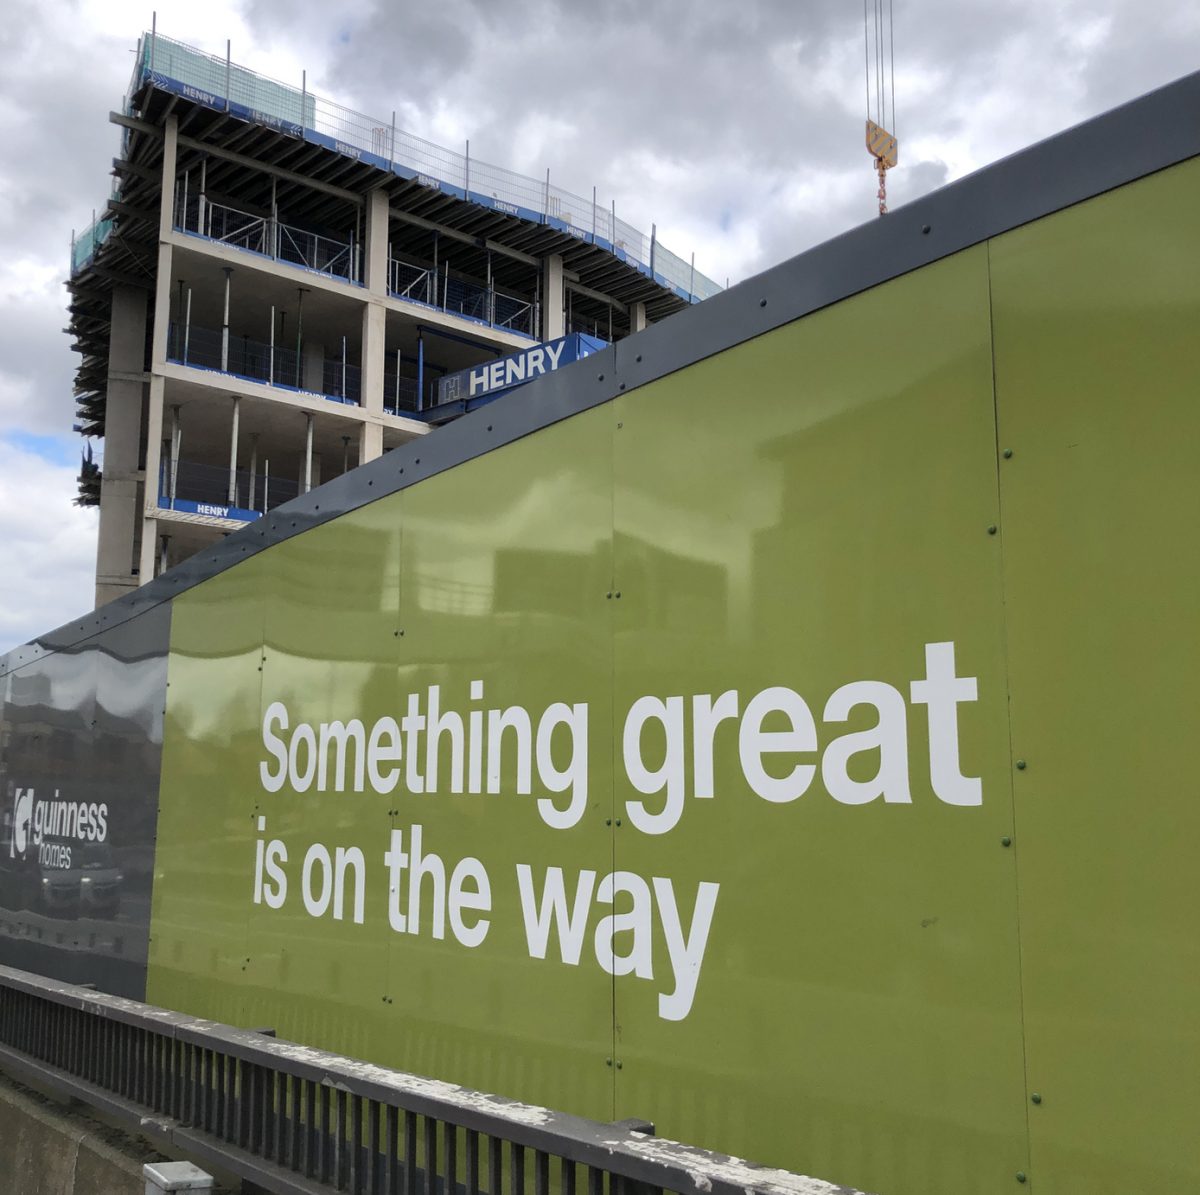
(225, 322)
(253, 469)
(176, 445)
(233, 447)
(308, 446)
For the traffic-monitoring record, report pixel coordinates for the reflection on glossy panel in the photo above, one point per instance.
(1096, 315)
(211, 737)
(370, 907)
(80, 750)
(863, 929)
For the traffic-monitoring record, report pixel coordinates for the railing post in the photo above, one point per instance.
(271, 351)
(593, 215)
(392, 150)
(153, 37)
(201, 226)
(303, 103)
(467, 175)
(491, 294)
(299, 331)
(546, 201)
(227, 71)
(187, 325)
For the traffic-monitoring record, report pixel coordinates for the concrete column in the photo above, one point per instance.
(374, 333)
(154, 437)
(158, 352)
(370, 442)
(375, 324)
(119, 513)
(166, 211)
(377, 243)
(637, 316)
(308, 454)
(225, 322)
(162, 308)
(312, 366)
(553, 296)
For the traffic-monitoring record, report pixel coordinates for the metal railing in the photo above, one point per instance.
(207, 348)
(263, 235)
(197, 482)
(591, 326)
(460, 296)
(399, 392)
(416, 283)
(222, 84)
(516, 315)
(296, 1120)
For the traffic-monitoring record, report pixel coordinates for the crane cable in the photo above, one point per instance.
(880, 69)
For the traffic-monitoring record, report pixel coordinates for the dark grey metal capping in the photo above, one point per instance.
(1139, 138)
(300, 1121)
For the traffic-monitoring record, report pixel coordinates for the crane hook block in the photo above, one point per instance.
(882, 145)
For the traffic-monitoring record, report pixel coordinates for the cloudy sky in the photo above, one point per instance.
(734, 125)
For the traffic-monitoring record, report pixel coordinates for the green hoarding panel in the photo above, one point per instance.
(809, 511)
(732, 676)
(495, 576)
(1096, 317)
(199, 913)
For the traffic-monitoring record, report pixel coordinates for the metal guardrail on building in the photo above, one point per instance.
(211, 485)
(299, 1121)
(434, 287)
(259, 361)
(221, 84)
(265, 236)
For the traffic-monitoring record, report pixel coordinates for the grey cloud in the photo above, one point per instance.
(743, 104)
(736, 125)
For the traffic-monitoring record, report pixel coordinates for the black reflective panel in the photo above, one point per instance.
(80, 756)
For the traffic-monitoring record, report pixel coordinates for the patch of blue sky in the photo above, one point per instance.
(57, 450)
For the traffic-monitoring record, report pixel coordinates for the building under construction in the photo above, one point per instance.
(816, 785)
(280, 289)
